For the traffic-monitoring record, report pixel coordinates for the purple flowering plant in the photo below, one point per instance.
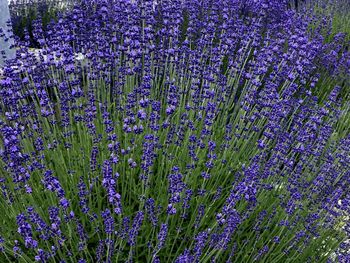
(175, 131)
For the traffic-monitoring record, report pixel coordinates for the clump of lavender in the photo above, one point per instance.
(173, 131)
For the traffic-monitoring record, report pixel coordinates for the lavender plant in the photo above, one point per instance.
(337, 11)
(176, 131)
(25, 12)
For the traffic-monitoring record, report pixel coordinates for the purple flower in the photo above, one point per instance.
(151, 213)
(162, 235)
(108, 221)
(109, 183)
(136, 225)
(25, 230)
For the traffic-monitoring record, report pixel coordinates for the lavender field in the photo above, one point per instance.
(176, 131)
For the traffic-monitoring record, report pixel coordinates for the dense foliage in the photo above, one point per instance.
(177, 131)
(25, 12)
